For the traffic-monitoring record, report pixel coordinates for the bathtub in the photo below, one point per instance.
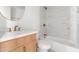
(61, 45)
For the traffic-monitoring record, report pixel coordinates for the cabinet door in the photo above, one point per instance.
(30, 43)
(30, 47)
(20, 41)
(7, 45)
(18, 49)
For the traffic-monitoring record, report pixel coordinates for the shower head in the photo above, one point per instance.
(45, 8)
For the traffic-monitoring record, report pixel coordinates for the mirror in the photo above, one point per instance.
(17, 12)
(12, 12)
(5, 12)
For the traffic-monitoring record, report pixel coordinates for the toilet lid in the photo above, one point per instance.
(44, 44)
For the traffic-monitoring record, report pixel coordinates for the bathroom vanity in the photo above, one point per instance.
(13, 39)
(18, 42)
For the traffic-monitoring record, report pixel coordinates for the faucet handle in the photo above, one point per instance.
(9, 30)
(20, 28)
(15, 28)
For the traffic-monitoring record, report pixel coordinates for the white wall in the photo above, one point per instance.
(31, 19)
(17, 12)
(77, 26)
(73, 24)
(58, 21)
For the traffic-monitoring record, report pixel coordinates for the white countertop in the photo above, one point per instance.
(17, 34)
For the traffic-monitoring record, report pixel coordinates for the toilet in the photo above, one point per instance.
(44, 45)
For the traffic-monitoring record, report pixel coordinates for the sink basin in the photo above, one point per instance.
(12, 34)
(9, 35)
(1, 34)
(16, 34)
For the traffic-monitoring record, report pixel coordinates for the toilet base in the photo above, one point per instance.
(42, 50)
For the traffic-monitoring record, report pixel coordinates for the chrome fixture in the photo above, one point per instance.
(45, 8)
(15, 28)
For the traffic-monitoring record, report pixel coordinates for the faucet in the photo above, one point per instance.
(15, 28)
(19, 29)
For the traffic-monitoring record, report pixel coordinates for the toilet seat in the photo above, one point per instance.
(44, 45)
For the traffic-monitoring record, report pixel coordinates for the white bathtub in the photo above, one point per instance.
(61, 45)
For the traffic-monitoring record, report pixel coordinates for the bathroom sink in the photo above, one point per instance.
(9, 35)
(16, 34)
(12, 34)
(1, 34)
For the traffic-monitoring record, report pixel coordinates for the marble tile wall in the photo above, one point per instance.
(58, 21)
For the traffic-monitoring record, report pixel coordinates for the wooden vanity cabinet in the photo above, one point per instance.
(7, 45)
(18, 49)
(21, 44)
(20, 41)
(30, 43)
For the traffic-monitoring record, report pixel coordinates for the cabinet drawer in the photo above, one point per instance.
(30, 47)
(7, 45)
